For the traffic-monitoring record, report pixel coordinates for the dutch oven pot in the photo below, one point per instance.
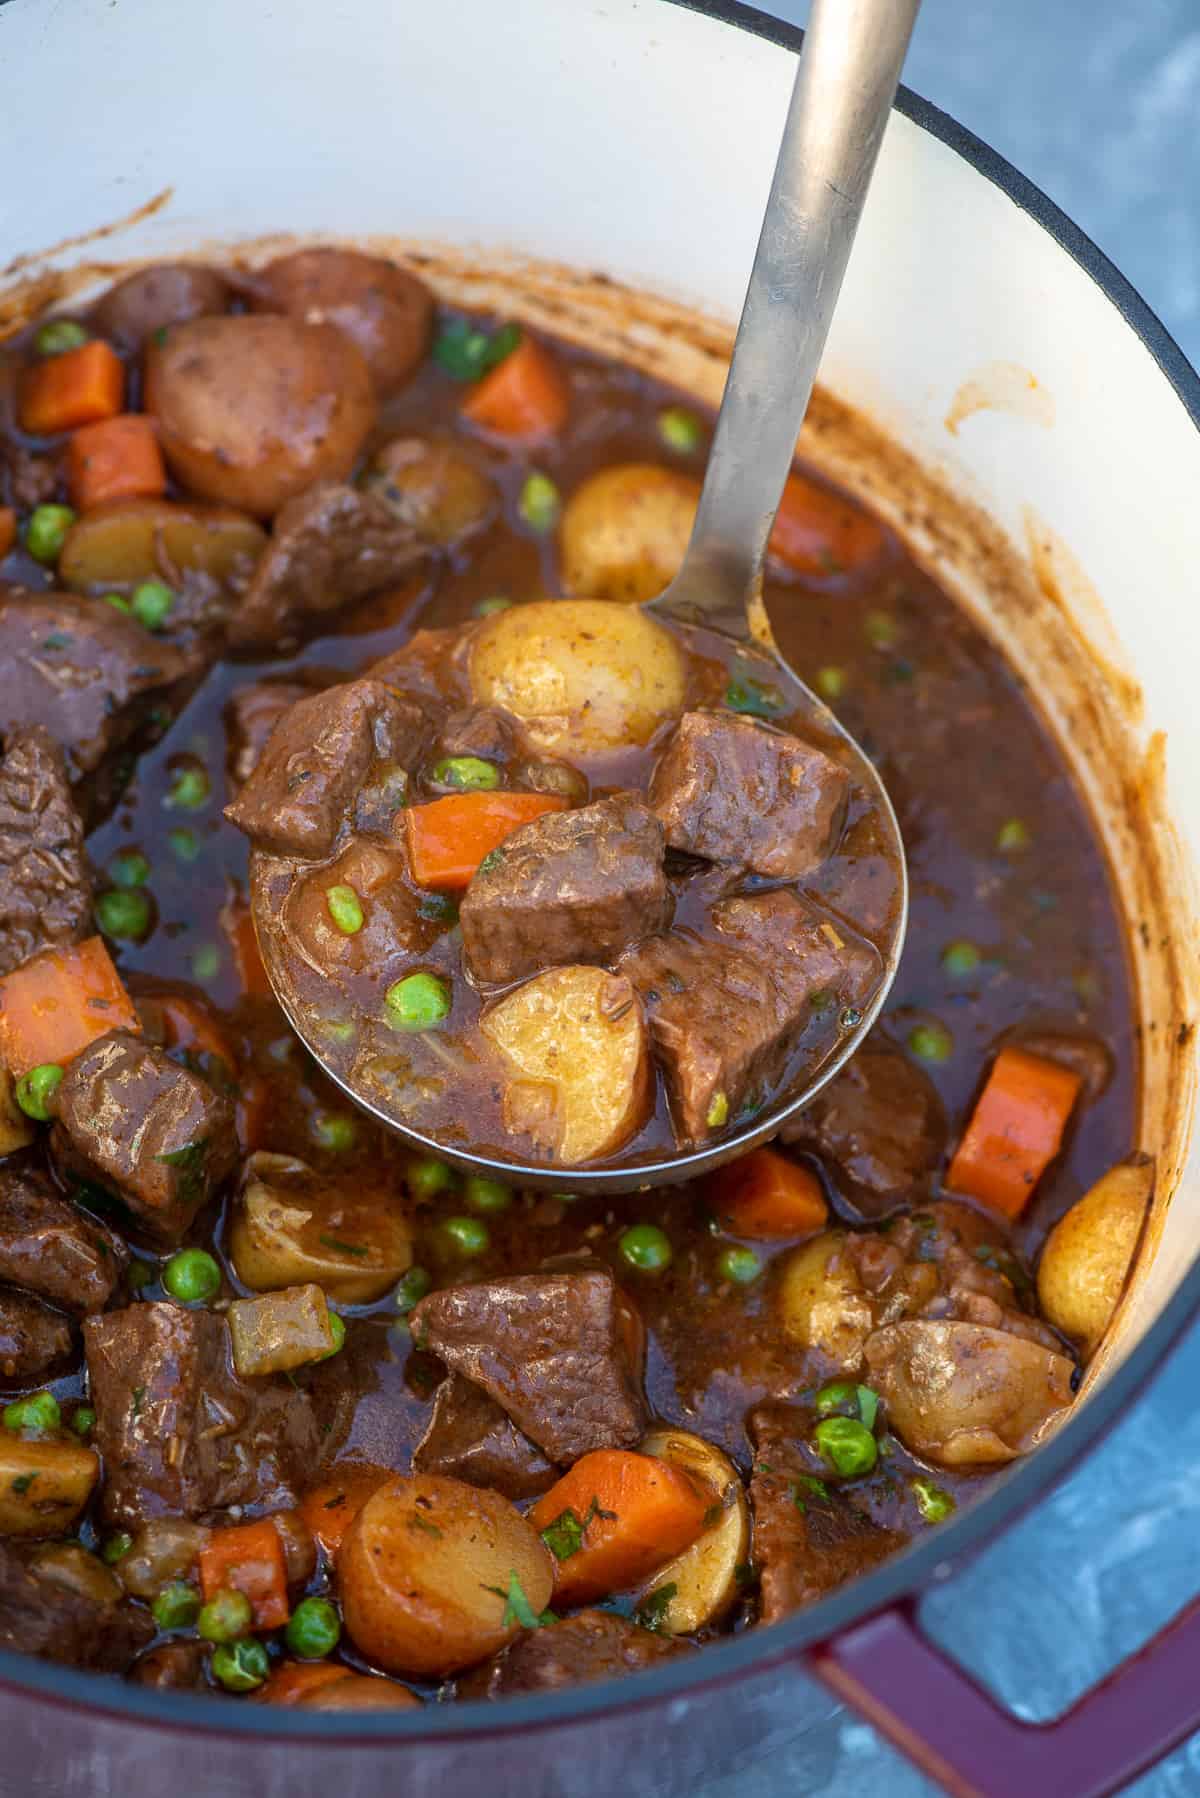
(1038, 418)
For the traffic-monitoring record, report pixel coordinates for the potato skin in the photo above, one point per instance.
(623, 533)
(417, 1568)
(583, 675)
(253, 410)
(435, 487)
(386, 311)
(117, 544)
(167, 293)
(705, 1576)
(1089, 1252)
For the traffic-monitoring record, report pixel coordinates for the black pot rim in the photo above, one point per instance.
(937, 1555)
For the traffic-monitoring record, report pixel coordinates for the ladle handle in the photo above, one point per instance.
(845, 84)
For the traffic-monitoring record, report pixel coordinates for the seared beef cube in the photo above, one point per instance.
(89, 674)
(43, 1616)
(251, 716)
(733, 790)
(26, 480)
(174, 1667)
(181, 1434)
(1085, 1056)
(723, 1015)
(34, 1341)
(880, 1125)
(330, 547)
(589, 1646)
(155, 1134)
(51, 1248)
(478, 730)
(574, 886)
(45, 887)
(809, 1538)
(470, 1438)
(318, 757)
(559, 1352)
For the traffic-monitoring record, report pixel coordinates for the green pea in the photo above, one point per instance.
(718, 1111)
(241, 1666)
(847, 1445)
(437, 908)
(38, 1414)
(190, 789)
(467, 774)
(1012, 836)
(151, 604)
(645, 1247)
(539, 502)
(129, 869)
(313, 1629)
(206, 962)
(679, 429)
(46, 532)
(124, 912)
(338, 1331)
(334, 1130)
(830, 683)
(487, 608)
(118, 602)
(486, 1196)
(36, 1090)
(741, 1266)
(839, 1397)
(931, 1042)
(469, 1235)
(191, 1276)
(880, 629)
(184, 844)
(960, 958)
(115, 1548)
(177, 1606)
(345, 908)
(934, 1504)
(418, 1002)
(226, 1616)
(83, 1421)
(429, 1177)
(58, 335)
(412, 1289)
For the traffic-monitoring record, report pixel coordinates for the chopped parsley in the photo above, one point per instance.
(564, 1536)
(344, 1248)
(652, 1612)
(517, 1608)
(139, 1393)
(23, 1482)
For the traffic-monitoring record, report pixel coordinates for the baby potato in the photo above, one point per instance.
(131, 540)
(574, 1043)
(386, 311)
(293, 1227)
(168, 293)
(1088, 1253)
(963, 1395)
(252, 410)
(821, 1301)
(623, 533)
(582, 674)
(44, 1484)
(435, 487)
(705, 1576)
(426, 1571)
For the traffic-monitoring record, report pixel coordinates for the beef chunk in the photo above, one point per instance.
(26, 480)
(42, 1616)
(589, 1646)
(470, 1438)
(34, 1341)
(45, 888)
(331, 546)
(880, 1123)
(574, 886)
(479, 730)
(251, 716)
(1085, 1056)
(559, 1352)
(735, 790)
(724, 1015)
(181, 1434)
(809, 1538)
(158, 1136)
(174, 1667)
(51, 1248)
(318, 757)
(91, 675)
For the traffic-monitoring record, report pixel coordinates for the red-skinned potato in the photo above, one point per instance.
(253, 410)
(167, 293)
(386, 310)
(426, 1570)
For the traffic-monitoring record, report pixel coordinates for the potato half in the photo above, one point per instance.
(292, 1226)
(132, 540)
(706, 1577)
(821, 1301)
(1088, 1254)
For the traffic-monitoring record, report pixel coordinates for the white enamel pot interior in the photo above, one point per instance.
(521, 152)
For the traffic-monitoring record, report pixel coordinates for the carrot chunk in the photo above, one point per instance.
(448, 838)
(1015, 1131)
(8, 530)
(614, 1518)
(524, 396)
(77, 388)
(331, 1507)
(292, 1681)
(820, 533)
(58, 1002)
(118, 458)
(249, 1558)
(764, 1195)
(237, 921)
